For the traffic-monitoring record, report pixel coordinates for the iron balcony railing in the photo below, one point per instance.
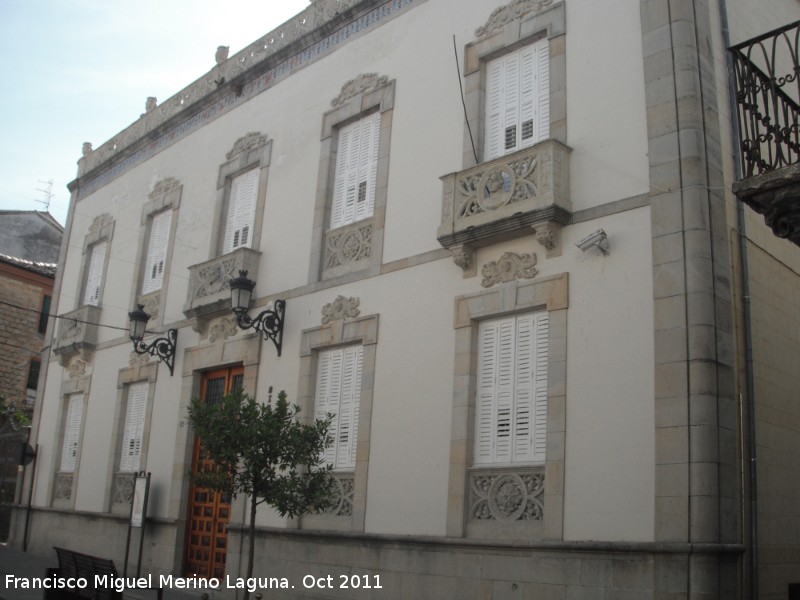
(767, 71)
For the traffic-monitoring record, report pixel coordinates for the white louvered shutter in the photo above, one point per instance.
(94, 276)
(485, 409)
(157, 252)
(134, 427)
(72, 431)
(241, 211)
(338, 393)
(540, 387)
(511, 411)
(356, 171)
(517, 100)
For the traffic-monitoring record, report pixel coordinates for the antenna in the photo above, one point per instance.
(48, 194)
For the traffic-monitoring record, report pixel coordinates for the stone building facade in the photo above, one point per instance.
(525, 306)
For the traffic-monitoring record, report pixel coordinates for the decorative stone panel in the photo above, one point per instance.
(508, 197)
(507, 495)
(349, 244)
(209, 282)
(63, 487)
(340, 309)
(123, 488)
(510, 267)
(341, 504)
(77, 334)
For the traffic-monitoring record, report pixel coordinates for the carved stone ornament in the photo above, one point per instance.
(341, 502)
(86, 150)
(76, 368)
(163, 187)
(138, 360)
(150, 104)
(500, 184)
(506, 496)
(215, 277)
(348, 245)
(340, 309)
(100, 222)
(63, 487)
(123, 487)
(547, 236)
(366, 82)
(152, 304)
(464, 257)
(505, 14)
(246, 143)
(223, 328)
(221, 55)
(325, 10)
(510, 267)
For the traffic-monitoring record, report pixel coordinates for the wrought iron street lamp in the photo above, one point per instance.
(162, 348)
(269, 322)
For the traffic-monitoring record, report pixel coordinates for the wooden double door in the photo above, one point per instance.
(209, 511)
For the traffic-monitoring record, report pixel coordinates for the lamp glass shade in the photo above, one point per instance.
(241, 292)
(138, 323)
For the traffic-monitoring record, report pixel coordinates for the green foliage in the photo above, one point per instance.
(262, 450)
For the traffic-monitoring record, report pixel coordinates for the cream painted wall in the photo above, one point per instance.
(609, 487)
(606, 120)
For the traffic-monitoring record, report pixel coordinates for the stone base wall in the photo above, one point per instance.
(422, 568)
(333, 565)
(101, 535)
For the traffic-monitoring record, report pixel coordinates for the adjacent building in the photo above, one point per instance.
(553, 340)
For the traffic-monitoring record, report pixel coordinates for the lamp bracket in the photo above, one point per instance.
(162, 348)
(269, 322)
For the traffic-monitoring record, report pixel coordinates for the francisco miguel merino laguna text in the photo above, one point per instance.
(120, 584)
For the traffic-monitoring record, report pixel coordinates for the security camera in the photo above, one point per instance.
(598, 240)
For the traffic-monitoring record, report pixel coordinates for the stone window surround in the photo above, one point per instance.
(101, 230)
(78, 385)
(360, 330)
(253, 150)
(549, 22)
(550, 293)
(166, 195)
(136, 373)
(380, 98)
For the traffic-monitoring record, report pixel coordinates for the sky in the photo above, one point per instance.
(81, 70)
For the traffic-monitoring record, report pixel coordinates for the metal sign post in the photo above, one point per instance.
(138, 517)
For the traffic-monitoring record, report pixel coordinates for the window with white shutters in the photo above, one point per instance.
(517, 100)
(241, 211)
(134, 427)
(94, 276)
(356, 170)
(72, 432)
(511, 407)
(338, 393)
(157, 252)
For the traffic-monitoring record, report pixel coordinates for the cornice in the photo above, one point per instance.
(312, 34)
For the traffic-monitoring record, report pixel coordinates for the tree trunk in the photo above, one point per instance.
(251, 551)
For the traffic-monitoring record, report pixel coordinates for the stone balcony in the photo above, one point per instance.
(209, 283)
(77, 333)
(518, 194)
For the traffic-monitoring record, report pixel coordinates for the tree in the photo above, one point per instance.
(263, 451)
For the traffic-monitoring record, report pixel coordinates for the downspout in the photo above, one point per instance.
(748, 333)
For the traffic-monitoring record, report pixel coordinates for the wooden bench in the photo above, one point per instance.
(76, 565)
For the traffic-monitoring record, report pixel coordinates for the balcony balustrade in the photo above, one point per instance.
(209, 283)
(77, 333)
(518, 194)
(767, 75)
